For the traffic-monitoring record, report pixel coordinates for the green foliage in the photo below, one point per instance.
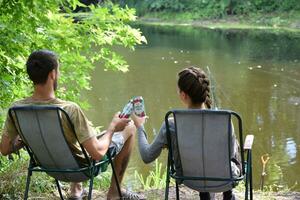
(28, 25)
(79, 39)
(173, 5)
(156, 178)
(102, 181)
(279, 188)
(13, 175)
(214, 8)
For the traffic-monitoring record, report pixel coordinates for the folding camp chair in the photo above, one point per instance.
(41, 129)
(200, 151)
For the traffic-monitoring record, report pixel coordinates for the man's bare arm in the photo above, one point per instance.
(97, 148)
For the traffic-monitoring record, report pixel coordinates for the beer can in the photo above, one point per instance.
(127, 110)
(138, 106)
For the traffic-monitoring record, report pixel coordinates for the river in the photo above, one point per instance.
(256, 73)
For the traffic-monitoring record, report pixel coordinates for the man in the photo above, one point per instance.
(43, 70)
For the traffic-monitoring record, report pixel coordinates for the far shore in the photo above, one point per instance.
(224, 23)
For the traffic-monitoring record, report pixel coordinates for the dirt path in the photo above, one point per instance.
(187, 194)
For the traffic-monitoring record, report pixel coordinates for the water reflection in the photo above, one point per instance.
(291, 150)
(256, 74)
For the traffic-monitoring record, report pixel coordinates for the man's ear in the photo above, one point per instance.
(52, 74)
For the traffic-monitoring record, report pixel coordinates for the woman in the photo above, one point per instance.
(194, 92)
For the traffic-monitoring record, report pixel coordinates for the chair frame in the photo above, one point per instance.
(91, 170)
(246, 165)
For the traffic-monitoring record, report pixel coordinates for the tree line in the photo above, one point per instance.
(213, 8)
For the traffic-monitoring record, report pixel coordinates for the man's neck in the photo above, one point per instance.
(43, 93)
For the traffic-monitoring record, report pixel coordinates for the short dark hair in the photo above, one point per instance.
(39, 64)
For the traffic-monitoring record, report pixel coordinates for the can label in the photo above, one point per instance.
(135, 105)
(138, 106)
(127, 110)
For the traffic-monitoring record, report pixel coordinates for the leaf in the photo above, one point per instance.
(30, 25)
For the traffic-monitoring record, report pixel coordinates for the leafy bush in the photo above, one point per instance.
(215, 8)
(13, 175)
(28, 25)
(79, 39)
(172, 5)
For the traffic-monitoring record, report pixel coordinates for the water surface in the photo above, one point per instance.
(256, 74)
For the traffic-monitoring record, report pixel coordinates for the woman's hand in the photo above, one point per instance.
(138, 121)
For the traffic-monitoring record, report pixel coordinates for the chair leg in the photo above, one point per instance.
(167, 179)
(91, 185)
(27, 184)
(167, 186)
(115, 176)
(59, 189)
(177, 191)
(246, 186)
(250, 175)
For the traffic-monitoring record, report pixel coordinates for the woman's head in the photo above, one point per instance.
(195, 83)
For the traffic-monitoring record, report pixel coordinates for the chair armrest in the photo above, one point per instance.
(248, 142)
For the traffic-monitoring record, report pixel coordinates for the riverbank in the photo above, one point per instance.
(279, 22)
(187, 194)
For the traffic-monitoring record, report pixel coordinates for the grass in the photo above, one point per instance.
(156, 178)
(13, 180)
(102, 181)
(155, 183)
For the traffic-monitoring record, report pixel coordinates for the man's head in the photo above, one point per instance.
(40, 65)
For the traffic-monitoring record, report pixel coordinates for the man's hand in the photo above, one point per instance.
(117, 123)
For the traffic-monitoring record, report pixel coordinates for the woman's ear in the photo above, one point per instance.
(183, 96)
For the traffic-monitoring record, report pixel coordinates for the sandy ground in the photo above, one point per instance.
(187, 194)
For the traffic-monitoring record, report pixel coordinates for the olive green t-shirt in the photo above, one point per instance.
(83, 128)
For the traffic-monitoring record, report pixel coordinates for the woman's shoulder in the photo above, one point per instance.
(170, 124)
